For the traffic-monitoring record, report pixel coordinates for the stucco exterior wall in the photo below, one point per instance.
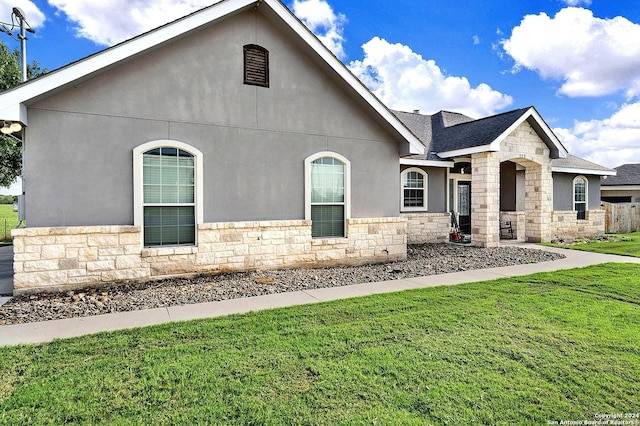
(78, 153)
(64, 258)
(563, 191)
(436, 189)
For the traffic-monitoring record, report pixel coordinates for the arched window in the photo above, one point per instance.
(580, 193)
(256, 65)
(327, 183)
(414, 190)
(167, 192)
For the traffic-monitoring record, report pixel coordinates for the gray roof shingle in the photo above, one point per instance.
(474, 133)
(628, 174)
(448, 131)
(573, 162)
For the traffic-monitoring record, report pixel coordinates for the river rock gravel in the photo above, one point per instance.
(423, 259)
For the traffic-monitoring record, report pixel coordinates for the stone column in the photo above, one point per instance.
(485, 199)
(538, 202)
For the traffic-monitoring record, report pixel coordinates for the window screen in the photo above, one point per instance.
(580, 197)
(327, 197)
(168, 197)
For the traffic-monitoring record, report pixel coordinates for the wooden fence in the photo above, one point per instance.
(621, 217)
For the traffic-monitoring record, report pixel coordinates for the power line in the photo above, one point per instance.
(18, 20)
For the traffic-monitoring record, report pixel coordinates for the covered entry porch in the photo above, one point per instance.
(510, 180)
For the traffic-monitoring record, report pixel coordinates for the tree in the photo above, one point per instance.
(10, 146)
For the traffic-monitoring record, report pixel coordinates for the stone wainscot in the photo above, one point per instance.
(66, 258)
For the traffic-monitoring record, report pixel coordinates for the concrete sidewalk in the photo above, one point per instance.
(49, 330)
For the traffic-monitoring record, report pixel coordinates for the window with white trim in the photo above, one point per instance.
(414, 190)
(167, 193)
(580, 191)
(327, 182)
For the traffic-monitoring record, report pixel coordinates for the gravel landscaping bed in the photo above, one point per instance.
(425, 259)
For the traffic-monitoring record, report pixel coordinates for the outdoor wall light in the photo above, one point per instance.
(10, 127)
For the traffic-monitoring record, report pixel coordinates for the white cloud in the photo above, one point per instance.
(592, 56)
(610, 142)
(476, 40)
(404, 80)
(110, 22)
(320, 18)
(576, 2)
(34, 16)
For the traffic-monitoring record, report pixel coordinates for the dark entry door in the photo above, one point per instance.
(464, 206)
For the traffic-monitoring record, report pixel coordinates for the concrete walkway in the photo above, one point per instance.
(49, 330)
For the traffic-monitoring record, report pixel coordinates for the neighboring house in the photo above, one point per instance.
(232, 139)
(624, 187)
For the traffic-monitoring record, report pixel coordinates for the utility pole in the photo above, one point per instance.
(23, 42)
(22, 37)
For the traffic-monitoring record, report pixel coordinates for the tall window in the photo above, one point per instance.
(327, 194)
(166, 193)
(256, 65)
(580, 188)
(414, 190)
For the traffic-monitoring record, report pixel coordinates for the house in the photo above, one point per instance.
(509, 166)
(624, 187)
(232, 139)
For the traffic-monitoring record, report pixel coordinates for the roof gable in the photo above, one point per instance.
(448, 135)
(486, 134)
(13, 103)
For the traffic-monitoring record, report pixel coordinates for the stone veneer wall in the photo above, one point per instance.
(564, 224)
(518, 221)
(485, 199)
(64, 258)
(523, 146)
(427, 227)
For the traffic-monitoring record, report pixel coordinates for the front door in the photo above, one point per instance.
(464, 206)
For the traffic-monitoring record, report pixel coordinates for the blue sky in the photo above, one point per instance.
(576, 61)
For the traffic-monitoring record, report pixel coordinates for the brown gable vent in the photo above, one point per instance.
(256, 65)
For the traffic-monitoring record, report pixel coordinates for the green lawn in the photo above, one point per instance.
(528, 350)
(8, 221)
(622, 244)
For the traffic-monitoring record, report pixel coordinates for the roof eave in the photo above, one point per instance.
(415, 145)
(425, 163)
(13, 100)
(581, 171)
(619, 187)
(467, 151)
(15, 112)
(114, 55)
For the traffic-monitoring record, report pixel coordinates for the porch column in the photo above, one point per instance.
(538, 202)
(485, 199)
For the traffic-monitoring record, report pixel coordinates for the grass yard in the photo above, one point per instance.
(560, 346)
(8, 221)
(622, 244)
